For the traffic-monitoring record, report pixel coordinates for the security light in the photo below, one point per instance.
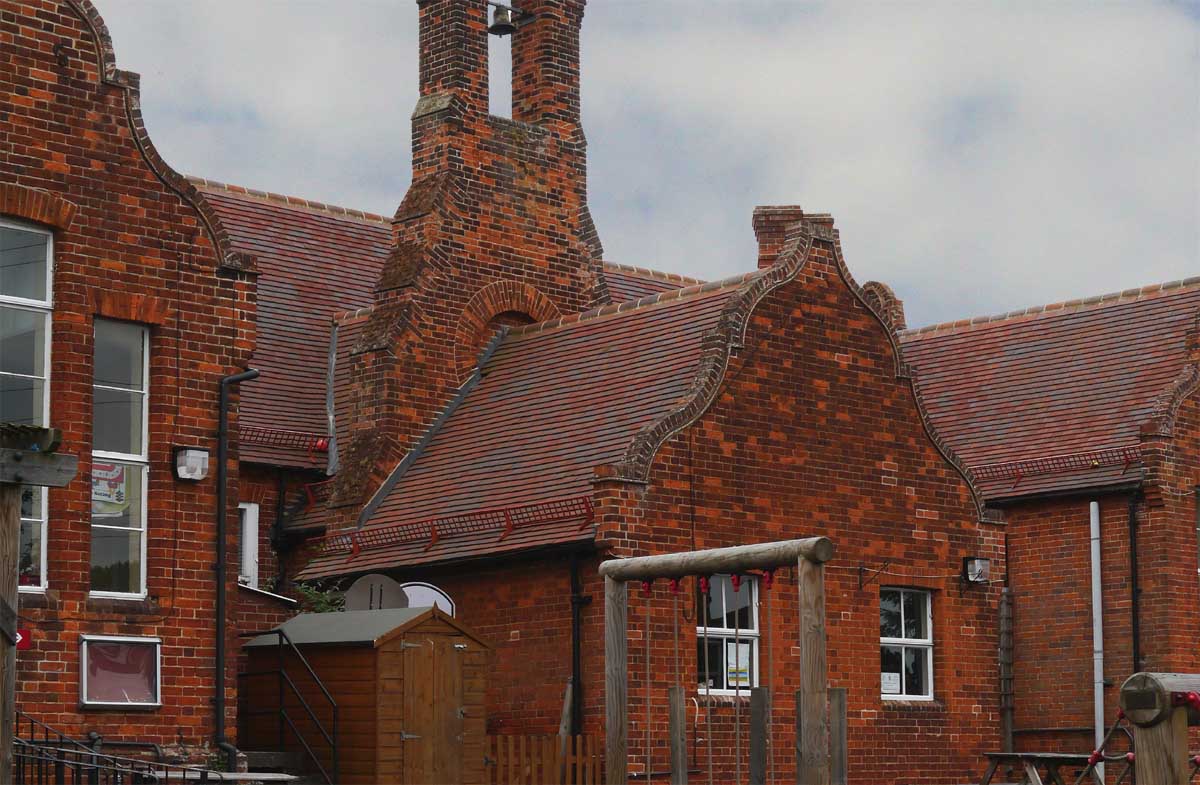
(976, 569)
(191, 463)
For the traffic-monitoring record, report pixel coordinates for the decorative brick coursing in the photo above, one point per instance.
(884, 302)
(135, 243)
(32, 204)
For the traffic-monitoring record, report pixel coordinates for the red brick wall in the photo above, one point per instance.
(138, 249)
(813, 433)
(1049, 573)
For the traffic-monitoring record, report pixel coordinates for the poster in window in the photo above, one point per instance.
(110, 498)
(890, 683)
(737, 664)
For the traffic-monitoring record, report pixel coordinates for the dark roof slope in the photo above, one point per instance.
(314, 260)
(512, 467)
(1053, 398)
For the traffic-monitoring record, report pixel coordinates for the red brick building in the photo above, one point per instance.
(122, 305)
(1056, 409)
(466, 396)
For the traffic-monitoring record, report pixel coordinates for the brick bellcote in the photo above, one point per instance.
(494, 230)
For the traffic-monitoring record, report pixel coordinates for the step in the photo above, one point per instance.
(272, 760)
(232, 776)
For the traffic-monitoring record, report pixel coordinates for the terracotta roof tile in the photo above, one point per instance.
(627, 283)
(1065, 382)
(554, 401)
(314, 260)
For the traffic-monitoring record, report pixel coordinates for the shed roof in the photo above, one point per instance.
(1053, 399)
(359, 628)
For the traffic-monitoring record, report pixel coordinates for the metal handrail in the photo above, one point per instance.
(35, 723)
(285, 678)
(80, 759)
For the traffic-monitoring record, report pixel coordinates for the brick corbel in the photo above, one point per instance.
(32, 204)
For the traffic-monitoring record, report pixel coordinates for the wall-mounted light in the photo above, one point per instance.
(191, 463)
(976, 569)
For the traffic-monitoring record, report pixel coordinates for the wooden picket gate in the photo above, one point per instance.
(537, 760)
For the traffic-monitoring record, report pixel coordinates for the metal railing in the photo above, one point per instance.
(43, 755)
(286, 687)
(42, 764)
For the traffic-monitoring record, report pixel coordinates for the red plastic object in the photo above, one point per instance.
(736, 580)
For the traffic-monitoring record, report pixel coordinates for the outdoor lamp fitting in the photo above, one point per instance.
(976, 569)
(191, 463)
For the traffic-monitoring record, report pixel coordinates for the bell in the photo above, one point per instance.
(502, 21)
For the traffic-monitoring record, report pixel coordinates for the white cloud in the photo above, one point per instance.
(978, 157)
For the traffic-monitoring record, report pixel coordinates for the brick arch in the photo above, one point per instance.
(31, 204)
(498, 297)
(886, 304)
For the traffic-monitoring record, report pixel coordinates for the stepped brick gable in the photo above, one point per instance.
(132, 242)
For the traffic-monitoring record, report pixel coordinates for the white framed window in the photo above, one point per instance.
(120, 470)
(119, 671)
(906, 644)
(248, 544)
(732, 637)
(425, 595)
(26, 303)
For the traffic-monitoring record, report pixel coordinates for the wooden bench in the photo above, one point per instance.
(1029, 762)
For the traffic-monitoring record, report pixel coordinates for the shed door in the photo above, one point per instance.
(433, 711)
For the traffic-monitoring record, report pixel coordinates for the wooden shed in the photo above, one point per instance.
(409, 687)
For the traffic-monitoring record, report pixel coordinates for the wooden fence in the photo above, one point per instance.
(538, 760)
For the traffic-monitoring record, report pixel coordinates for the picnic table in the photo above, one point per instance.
(1030, 762)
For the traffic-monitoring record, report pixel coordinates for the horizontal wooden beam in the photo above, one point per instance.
(739, 558)
(33, 467)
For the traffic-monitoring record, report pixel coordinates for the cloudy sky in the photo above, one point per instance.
(979, 157)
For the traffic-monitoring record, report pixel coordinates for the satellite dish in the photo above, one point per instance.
(375, 592)
(426, 595)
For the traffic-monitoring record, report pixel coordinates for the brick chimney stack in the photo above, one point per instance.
(771, 225)
(454, 50)
(545, 60)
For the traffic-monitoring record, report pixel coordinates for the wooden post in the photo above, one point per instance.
(1160, 706)
(812, 727)
(27, 457)
(616, 682)
(760, 701)
(839, 757)
(678, 731)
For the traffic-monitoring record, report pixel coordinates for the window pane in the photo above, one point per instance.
(21, 400)
(716, 663)
(116, 560)
(117, 494)
(23, 263)
(889, 668)
(121, 672)
(29, 571)
(31, 502)
(739, 664)
(713, 607)
(22, 341)
(915, 661)
(889, 614)
(915, 615)
(117, 421)
(119, 354)
(738, 606)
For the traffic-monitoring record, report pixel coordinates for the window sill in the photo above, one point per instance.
(723, 698)
(139, 707)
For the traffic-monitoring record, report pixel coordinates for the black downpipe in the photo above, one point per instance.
(579, 601)
(1135, 589)
(222, 478)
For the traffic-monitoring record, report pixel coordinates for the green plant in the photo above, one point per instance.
(315, 599)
